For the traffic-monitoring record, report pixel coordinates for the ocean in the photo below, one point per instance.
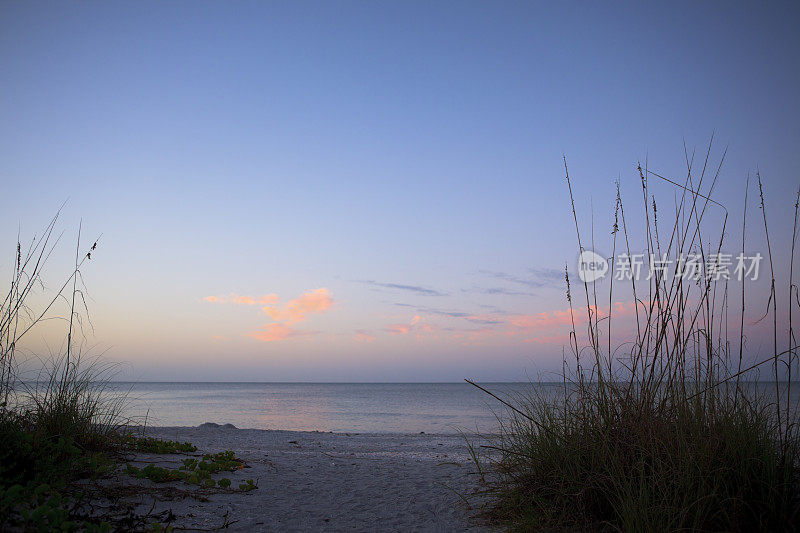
(339, 407)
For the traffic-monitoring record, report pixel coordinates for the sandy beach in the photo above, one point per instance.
(312, 481)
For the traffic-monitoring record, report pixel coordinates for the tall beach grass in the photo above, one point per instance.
(63, 393)
(658, 425)
(57, 420)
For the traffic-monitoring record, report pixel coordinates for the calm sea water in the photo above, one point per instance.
(344, 407)
(338, 407)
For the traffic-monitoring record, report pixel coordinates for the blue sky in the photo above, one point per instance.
(406, 157)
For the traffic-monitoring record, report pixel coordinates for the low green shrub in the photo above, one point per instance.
(158, 446)
(194, 471)
(36, 472)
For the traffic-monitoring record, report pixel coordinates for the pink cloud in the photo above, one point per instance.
(363, 336)
(398, 329)
(297, 310)
(418, 325)
(563, 317)
(624, 308)
(292, 312)
(273, 332)
(544, 319)
(552, 327)
(237, 299)
(545, 327)
(479, 336)
(284, 315)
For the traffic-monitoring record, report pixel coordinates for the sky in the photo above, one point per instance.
(366, 191)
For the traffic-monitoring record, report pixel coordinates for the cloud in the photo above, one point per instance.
(513, 279)
(237, 299)
(475, 318)
(398, 329)
(542, 328)
(363, 336)
(493, 308)
(544, 319)
(563, 317)
(484, 319)
(498, 291)
(418, 325)
(284, 315)
(434, 311)
(273, 332)
(290, 313)
(549, 274)
(416, 289)
(545, 327)
(541, 278)
(625, 308)
(297, 310)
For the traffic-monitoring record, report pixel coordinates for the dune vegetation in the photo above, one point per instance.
(664, 429)
(65, 439)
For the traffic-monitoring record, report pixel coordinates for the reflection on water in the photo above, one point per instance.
(338, 407)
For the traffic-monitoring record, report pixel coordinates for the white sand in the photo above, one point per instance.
(310, 481)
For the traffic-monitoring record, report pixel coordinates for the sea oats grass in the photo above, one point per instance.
(663, 429)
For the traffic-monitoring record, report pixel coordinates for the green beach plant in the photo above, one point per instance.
(657, 425)
(195, 471)
(157, 446)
